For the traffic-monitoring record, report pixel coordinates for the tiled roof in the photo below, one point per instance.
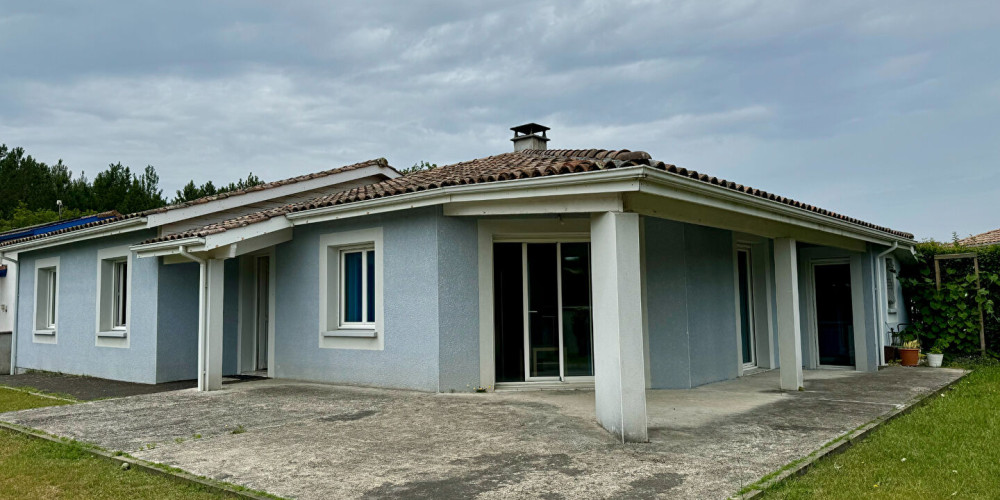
(42, 226)
(110, 216)
(987, 238)
(270, 185)
(508, 167)
(206, 199)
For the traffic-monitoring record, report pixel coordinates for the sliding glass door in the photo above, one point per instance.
(553, 340)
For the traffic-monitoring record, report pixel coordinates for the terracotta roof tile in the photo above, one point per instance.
(987, 238)
(505, 167)
(206, 199)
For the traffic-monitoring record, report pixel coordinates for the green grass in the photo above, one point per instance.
(23, 399)
(948, 448)
(33, 468)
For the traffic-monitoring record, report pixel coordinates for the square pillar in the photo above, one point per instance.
(786, 284)
(210, 329)
(619, 365)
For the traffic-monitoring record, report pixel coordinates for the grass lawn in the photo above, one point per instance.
(33, 468)
(948, 448)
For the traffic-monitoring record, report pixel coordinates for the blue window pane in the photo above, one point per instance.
(370, 256)
(352, 287)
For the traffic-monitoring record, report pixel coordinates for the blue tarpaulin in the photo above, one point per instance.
(51, 227)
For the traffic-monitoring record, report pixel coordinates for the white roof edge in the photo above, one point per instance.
(650, 174)
(861, 232)
(616, 180)
(109, 229)
(231, 202)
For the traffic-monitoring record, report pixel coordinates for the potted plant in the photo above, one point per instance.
(909, 353)
(936, 353)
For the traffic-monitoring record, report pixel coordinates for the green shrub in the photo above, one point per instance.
(948, 319)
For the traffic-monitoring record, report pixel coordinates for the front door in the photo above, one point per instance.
(542, 311)
(748, 348)
(263, 312)
(834, 314)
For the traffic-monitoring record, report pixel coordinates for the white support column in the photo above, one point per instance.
(619, 365)
(210, 329)
(786, 283)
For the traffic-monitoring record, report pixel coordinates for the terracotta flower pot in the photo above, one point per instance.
(909, 356)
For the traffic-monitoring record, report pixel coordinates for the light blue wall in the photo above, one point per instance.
(177, 338)
(458, 303)
(871, 334)
(691, 291)
(75, 350)
(411, 309)
(667, 299)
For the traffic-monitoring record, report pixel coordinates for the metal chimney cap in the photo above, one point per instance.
(529, 128)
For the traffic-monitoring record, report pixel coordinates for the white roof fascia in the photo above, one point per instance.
(231, 202)
(628, 179)
(162, 248)
(604, 181)
(110, 229)
(239, 234)
(211, 242)
(677, 187)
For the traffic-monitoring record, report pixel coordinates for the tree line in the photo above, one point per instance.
(29, 190)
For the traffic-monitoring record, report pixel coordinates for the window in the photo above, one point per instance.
(46, 297)
(357, 285)
(113, 296)
(119, 300)
(350, 290)
(49, 275)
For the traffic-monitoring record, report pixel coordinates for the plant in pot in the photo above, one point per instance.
(909, 353)
(936, 353)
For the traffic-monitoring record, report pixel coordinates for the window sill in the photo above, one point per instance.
(352, 332)
(118, 334)
(45, 332)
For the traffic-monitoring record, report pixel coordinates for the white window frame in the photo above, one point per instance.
(46, 300)
(342, 297)
(109, 332)
(333, 331)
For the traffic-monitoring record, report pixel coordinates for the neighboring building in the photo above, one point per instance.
(538, 267)
(8, 275)
(982, 240)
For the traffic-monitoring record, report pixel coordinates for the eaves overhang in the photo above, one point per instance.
(100, 231)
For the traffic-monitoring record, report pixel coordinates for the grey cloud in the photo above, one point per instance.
(800, 98)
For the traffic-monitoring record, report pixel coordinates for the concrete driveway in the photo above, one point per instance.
(307, 440)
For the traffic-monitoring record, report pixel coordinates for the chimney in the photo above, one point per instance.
(526, 136)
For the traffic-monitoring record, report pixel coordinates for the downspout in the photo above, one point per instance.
(13, 325)
(202, 313)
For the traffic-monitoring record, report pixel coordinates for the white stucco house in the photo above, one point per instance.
(533, 268)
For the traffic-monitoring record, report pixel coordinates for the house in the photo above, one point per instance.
(537, 268)
(981, 240)
(8, 267)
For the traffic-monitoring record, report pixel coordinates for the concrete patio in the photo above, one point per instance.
(309, 440)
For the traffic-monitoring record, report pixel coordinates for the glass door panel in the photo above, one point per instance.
(508, 307)
(834, 314)
(747, 339)
(542, 354)
(542, 311)
(578, 349)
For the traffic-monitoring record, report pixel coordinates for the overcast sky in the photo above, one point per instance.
(883, 110)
